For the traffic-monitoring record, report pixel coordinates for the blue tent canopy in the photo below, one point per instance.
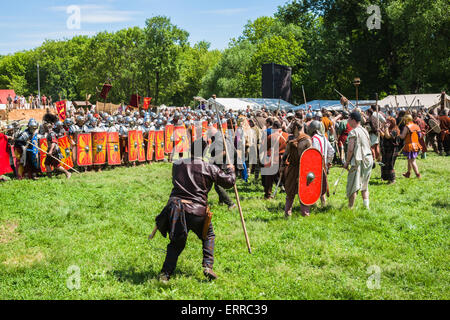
(333, 105)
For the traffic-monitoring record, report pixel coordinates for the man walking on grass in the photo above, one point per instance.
(359, 157)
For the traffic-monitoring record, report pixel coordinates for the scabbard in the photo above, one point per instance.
(207, 222)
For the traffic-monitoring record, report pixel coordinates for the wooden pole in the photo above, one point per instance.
(235, 187)
(304, 96)
(48, 154)
(378, 120)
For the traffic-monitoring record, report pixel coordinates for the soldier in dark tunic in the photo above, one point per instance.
(389, 149)
(187, 208)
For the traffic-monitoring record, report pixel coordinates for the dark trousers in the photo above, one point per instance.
(174, 248)
(267, 182)
(223, 195)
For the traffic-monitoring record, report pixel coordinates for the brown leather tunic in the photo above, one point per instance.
(295, 149)
(193, 179)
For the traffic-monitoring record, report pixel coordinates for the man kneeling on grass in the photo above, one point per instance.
(187, 208)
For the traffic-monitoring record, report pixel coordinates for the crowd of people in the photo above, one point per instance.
(268, 144)
(32, 102)
(358, 140)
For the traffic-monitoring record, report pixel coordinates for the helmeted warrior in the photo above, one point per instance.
(27, 142)
(54, 153)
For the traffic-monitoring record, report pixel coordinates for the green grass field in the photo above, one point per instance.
(99, 222)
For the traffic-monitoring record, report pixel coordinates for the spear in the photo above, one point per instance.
(235, 187)
(337, 181)
(48, 154)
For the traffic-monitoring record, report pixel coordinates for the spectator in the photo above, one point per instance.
(37, 102)
(9, 104)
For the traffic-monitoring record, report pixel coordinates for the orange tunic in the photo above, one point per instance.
(412, 138)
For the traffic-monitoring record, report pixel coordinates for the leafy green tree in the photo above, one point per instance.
(162, 46)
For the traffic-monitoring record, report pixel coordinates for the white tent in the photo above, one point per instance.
(413, 100)
(254, 103)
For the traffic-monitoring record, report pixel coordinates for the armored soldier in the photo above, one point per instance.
(59, 129)
(29, 154)
(54, 153)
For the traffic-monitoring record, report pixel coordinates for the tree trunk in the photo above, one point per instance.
(157, 88)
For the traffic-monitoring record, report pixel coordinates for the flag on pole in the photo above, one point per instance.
(105, 91)
(61, 109)
(146, 103)
(135, 100)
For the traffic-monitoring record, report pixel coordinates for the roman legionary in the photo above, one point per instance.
(26, 143)
(291, 157)
(321, 143)
(359, 157)
(54, 153)
(411, 134)
(187, 208)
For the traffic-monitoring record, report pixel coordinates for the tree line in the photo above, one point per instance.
(326, 42)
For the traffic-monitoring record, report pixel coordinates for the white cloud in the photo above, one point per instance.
(107, 16)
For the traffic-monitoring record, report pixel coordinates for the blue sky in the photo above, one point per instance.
(26, 24)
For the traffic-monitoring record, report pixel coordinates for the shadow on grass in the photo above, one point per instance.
(132, 276)
(441, 204)
(135, 277)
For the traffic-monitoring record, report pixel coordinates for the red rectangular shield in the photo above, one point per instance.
(43, 144)
(150, 145)
(132, 145)
(84, 149)
(113, 149)
(159, 145)
(66, 151)
(99, 147)
(181, 139)
(61, 109)
(168, 142)
(204, 129)
(141, 146)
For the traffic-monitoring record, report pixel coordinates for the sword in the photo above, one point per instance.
(278, 183)
(337, 181)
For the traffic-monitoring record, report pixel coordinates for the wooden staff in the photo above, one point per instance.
(412, 103)
(152, 235)
(304, 97)
(378, 119)
(235, 187)
(48, 154)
